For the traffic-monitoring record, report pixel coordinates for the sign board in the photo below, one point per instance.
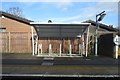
(116, 40)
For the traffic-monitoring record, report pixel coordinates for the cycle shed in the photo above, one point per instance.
(59, 32)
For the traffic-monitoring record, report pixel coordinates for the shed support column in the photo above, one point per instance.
(50, 49)
(60, 50)
(36, 45)
(96, 43)
(83, 50)
(87, 43)
(79, 49)
(70, 50)
(32, 41)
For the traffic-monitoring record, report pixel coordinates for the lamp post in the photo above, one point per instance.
(101, 16)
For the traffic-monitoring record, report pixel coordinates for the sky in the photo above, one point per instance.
(65, 10)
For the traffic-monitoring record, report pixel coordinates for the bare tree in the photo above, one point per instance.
(15, 11)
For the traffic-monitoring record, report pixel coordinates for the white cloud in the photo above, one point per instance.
(64, 4)
(89, 12)
(75, 18)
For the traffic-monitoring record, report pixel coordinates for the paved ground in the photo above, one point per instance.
(27, 59)
(62, 61)
(27, 64)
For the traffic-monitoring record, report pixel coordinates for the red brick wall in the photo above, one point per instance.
(20, 36)
(14, 26)
(56, 45)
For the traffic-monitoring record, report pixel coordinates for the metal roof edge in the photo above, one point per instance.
(37, 23)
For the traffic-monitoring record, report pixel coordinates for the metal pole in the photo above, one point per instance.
(97, 26)
(83, 50)
(96, 45)
(70, 50)
(60, 50)
(32, 41)
(50, 49)
(79, 49)
(87, 42)
(36, 45)
(38, 50)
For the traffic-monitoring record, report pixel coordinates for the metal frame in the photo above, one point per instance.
(84, 50)
(32, 42)
(87, 42)
(83, 46)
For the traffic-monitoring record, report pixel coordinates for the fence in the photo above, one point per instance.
(20, 42)
(15, 42)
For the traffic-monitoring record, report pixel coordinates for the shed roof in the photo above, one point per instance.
(58, 30)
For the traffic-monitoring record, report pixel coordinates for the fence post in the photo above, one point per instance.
(28, 41)
(9, 41)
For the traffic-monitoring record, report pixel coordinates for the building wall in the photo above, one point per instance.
(17, 36)
(14, 26)
(106, 45)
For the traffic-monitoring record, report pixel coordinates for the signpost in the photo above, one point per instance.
(117, 43)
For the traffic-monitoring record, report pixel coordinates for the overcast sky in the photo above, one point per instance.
(65, 11)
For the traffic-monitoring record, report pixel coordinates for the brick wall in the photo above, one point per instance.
(56, 44)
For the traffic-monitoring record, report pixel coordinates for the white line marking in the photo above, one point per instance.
(45, 75)
(47, 64)
(48, 58)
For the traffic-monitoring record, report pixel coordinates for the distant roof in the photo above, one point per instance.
(101, 25)
(18, 18)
